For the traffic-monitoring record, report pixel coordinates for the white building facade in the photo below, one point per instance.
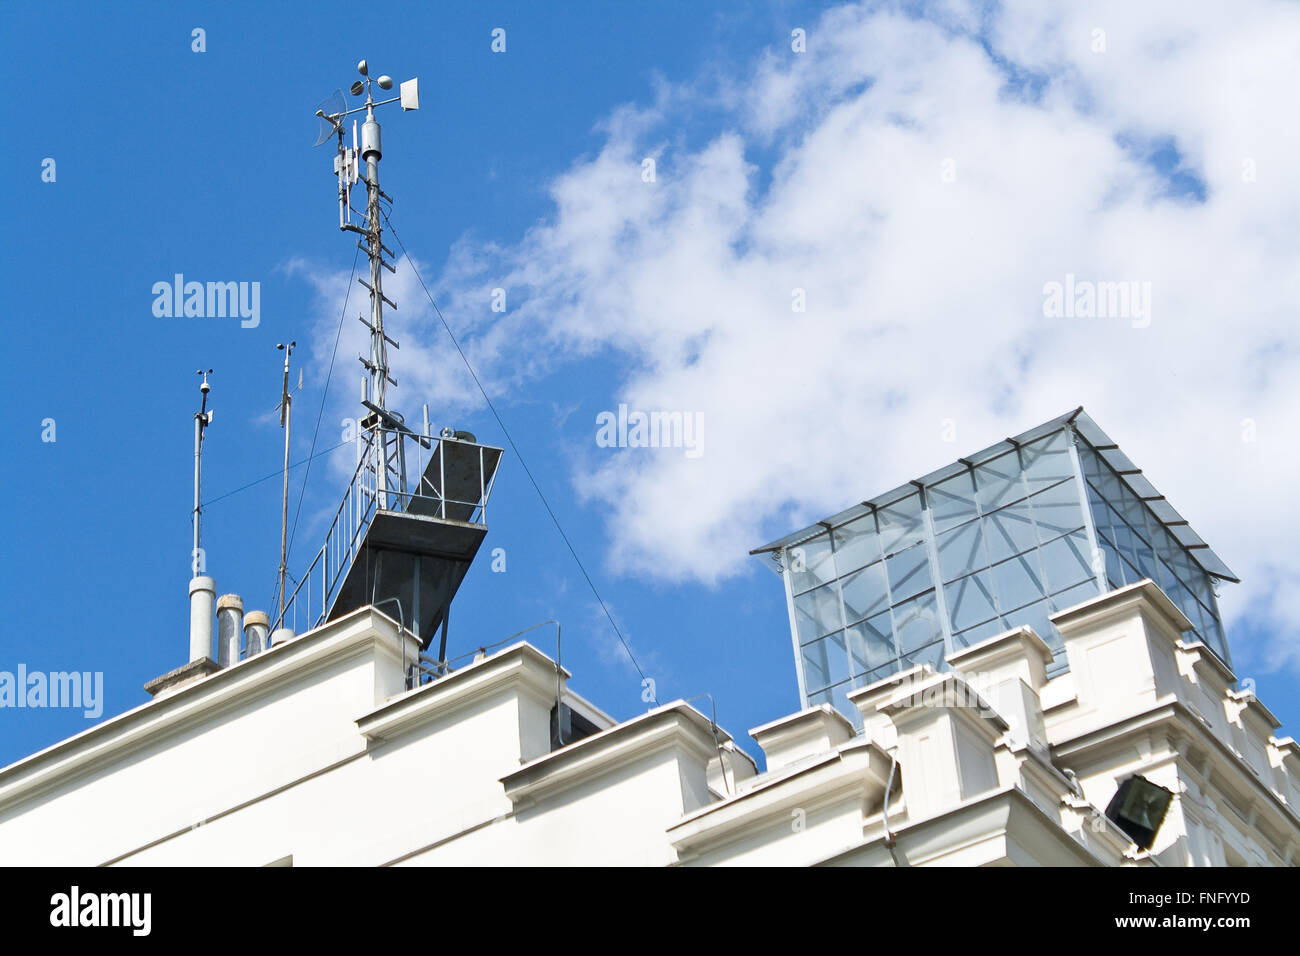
(315, 753)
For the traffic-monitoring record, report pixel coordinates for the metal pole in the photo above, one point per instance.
(198, 472)
(201, 419)
(284, 510)
(286, 404)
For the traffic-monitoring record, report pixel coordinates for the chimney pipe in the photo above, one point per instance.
(203, 590)
(257, 626)
(281, 635)
(230, 615)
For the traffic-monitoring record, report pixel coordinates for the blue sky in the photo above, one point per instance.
(775, 170)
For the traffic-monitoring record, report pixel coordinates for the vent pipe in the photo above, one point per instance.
(230, 619)
(281, 635)
(203, 592)
(257, 627)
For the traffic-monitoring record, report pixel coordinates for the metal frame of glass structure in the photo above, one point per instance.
(1006, 537)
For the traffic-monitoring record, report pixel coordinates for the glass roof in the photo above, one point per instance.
(1087, 429)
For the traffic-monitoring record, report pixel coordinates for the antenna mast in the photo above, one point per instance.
(379, 419)
(286, 403)
(202, 419)
(388, 547)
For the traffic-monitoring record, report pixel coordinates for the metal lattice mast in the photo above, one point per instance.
(377, 418)
(371, 152)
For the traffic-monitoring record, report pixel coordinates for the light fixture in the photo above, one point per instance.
(1138, 808)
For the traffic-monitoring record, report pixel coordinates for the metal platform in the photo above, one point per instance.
(388, 543)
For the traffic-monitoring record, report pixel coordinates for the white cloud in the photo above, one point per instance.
(924, 297)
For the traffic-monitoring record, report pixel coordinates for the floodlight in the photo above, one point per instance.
(385, 82)
(1138, 808)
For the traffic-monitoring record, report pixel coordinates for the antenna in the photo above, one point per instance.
(286, 403)
(202, 419)
(348, 172)
(386, 545)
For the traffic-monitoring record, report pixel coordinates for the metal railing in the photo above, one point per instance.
(309, 604)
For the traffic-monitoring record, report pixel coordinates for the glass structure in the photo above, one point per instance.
(1003, 538)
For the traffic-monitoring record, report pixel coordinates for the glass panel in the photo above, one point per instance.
(1101, 518)
(871, 644)
(1057, 510)
(1124, 539)
(1017, 581)
(825, 662)
(931, 654)
(1067, 561)
(1131, 574)
(1186, 603)
(909, 573)
(1213, 636)
(1114, 568)
(1178, 593)
(1075, 595)
(1166, 577)
(809, 564)
(979, 633)
(952, 501)
(1146, 559)
(818, 612)
(1009, 531)
(856, 544)
(1182, 565)
(1036, 616)
(816, 669)
(1091, 464)
(1201, 587)
(1163, 542)
(998, 482)
(961, 550)
(864, 592)
(1132, 510)
(901, 524)
(1110, 487)
(1198, 615)
(840, 701)
(916, 623)
(970, 600)
(1047, 461)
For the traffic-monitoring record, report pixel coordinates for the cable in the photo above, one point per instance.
(302, 492)
(273, 474)
(321, 411)
(513, 447)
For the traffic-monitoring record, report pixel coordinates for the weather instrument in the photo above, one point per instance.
(414, 515)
